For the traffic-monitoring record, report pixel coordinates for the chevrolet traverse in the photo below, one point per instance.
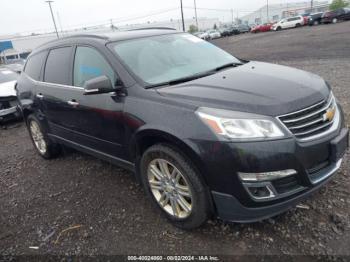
(207, 134)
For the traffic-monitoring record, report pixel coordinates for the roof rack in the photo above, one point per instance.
(148, 28)
(85, 35)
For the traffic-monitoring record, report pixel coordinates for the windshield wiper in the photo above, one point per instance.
(193, 77)
(182, 79)
(227, 66)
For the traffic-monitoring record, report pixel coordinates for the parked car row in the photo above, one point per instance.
(222, 32)
(341, 14)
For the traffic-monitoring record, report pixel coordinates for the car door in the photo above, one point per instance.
(347, 14)
(93, 122)
(284, 23)
(53, 91)
(99, 117)
(290, 23)
(341, 14)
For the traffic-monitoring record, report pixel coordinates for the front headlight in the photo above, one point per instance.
(238, 125)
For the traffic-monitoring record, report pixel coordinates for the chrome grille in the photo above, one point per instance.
(311, 121)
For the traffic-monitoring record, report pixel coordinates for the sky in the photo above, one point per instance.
(27, 16)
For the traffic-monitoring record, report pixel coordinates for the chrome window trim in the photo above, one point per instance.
(53, 84)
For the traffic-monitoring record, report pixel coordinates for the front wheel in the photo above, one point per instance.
(334, 20)
(279, 28)
(316, 23)
(175, 186)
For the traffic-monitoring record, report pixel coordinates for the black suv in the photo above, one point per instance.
(206, 134)
(315, 19)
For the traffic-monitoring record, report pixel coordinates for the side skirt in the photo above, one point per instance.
(109, 158)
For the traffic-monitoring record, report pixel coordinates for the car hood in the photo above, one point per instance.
(7, 89)
(254, 87)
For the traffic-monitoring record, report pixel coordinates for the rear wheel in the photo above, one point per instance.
(43, 145)
(174, 185)
(298, 25)
(316, 23)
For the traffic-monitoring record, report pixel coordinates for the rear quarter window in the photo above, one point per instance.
(34, 65)
(57, 68)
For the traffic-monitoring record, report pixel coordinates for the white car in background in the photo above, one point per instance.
(213, 34)
(8, 97)
(290, 22)
(203, 35)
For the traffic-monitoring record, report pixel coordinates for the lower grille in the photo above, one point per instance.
(287, 184)
(311, 121)
(323, 171)
(317, 167)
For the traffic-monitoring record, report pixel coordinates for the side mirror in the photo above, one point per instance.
(98, 85)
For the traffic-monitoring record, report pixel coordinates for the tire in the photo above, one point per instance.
(42, 143)
(279, 28)
(165, 196)
(316, 23)
(297, 25)
(334, 20)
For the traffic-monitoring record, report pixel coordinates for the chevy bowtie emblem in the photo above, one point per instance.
(329, 115)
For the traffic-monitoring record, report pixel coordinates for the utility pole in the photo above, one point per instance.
(112, 26)
(312, 5)
(232, 15)
(53, 18)
(59, 22)
(267, 11)
(195, 13)
(182, 17)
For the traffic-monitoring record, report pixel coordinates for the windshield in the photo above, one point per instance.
(7, 76)
(164, 58)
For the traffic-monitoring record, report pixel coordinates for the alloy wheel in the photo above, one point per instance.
(170, 188)
(38, 137)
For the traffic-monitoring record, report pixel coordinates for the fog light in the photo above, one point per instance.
(261, 192)
(266, 176)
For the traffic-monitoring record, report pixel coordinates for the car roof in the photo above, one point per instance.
(107, 37)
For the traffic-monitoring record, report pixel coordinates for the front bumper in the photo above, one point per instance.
(314, 161)
(230, 209)
(9, 114)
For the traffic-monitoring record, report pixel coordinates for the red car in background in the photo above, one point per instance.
(261, 28)
(306, 20)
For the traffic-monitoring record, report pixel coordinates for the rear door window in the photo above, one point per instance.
(34, 65)
(89, 64)
(58, 69)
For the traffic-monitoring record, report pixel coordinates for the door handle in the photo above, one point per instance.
(40, 96)
(73, 103)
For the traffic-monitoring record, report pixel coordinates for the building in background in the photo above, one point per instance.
(283, 10)
(23, 45)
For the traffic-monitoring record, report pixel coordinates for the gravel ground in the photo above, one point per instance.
(77, 204)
